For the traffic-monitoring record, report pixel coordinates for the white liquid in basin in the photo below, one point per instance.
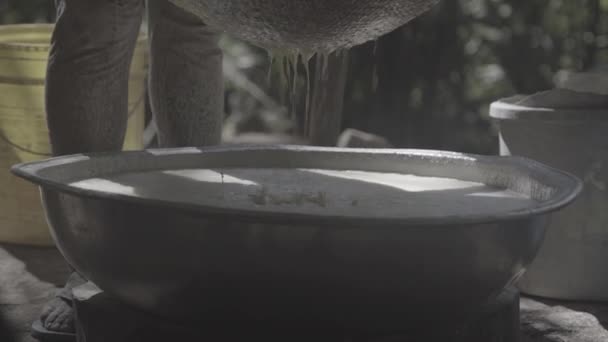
(321, 192)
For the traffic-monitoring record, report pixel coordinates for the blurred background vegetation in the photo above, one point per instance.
(428, 84)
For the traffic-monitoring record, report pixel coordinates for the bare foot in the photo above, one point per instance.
(58, 314)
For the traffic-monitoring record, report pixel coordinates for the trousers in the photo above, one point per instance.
(88, 71)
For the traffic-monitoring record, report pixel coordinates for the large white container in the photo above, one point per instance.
(573, 261)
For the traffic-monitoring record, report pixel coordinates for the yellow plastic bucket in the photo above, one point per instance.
(24, 53)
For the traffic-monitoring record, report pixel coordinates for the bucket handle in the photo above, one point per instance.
(4, 138)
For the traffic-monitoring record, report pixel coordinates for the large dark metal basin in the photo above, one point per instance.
(351, 272)
(307, 25)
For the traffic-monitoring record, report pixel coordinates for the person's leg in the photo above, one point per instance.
(186, 80)
(88, 73)
(87, 94)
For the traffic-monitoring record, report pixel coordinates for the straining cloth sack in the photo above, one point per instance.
(306, 26)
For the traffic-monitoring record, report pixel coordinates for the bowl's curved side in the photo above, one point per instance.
(311, 25)
(179, 263)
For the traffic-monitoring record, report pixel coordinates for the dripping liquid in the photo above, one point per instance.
(288, 68)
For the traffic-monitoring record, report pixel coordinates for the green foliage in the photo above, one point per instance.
(438, 74)
(27, 11)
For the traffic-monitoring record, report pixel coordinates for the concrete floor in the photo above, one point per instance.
(29, 276)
